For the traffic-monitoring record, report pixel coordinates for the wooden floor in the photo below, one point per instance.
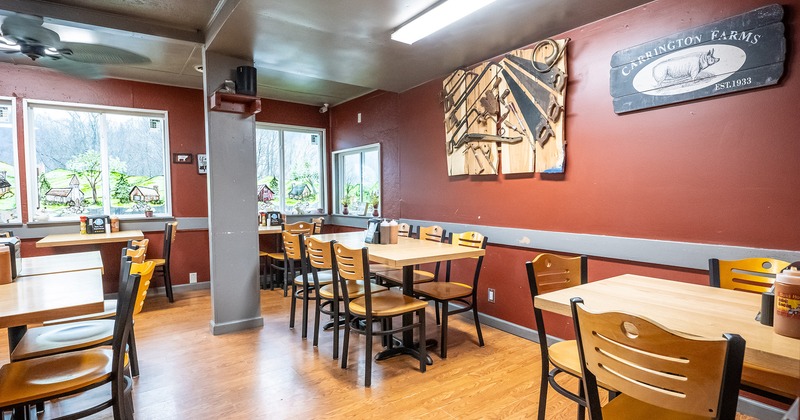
(271, 373)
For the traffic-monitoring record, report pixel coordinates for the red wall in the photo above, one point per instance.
(720, 170)
(186, 134)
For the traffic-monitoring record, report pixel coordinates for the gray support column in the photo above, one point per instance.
(232, 223)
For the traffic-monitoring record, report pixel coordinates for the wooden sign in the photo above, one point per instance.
(743, 52)
(515, 106)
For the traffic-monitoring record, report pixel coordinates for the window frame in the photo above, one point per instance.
(337, 160)
(12, 101)
(323, 190)
(30, 153)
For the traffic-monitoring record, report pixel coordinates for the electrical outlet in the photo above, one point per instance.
(491, 295)
(359, 118)
(192, 277)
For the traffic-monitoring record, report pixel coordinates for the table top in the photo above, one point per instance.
(66, 239)
(35, 299)
(689, 308)
(406, 251)
(61, 263)
(269, 230)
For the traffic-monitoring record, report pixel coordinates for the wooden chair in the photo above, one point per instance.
(61, 338)
(394, 276)
(162, 264)
(34, 381)
(319, 223)
(364, 311)
(756, 275)
(276, 261)
(141, 243)
(329, 296)
(296, 257)
(548, 273)
(661, 374)
(442, 293)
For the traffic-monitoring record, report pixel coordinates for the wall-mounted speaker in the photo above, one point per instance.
(246, 80)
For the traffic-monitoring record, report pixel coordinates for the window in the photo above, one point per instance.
(290, 169)
(9, 187)
(86, 160)
(358, 178)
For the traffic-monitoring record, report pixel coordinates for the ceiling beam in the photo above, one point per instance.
(98, 18)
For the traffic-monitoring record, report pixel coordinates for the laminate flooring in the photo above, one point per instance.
(271, 373)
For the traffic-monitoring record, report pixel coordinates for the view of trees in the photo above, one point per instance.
(97, 147)
(299, 186)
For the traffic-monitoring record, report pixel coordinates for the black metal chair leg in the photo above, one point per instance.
(443, 343)
(294, 306)
(133, 355)
(168, 284)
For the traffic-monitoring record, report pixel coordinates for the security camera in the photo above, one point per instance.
(324, 109)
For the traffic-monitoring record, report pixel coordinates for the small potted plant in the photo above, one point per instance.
(148, 211)
(345, 202)
(375, 200)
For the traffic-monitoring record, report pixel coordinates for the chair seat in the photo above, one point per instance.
(564, 355)
(325, 277)
(626, 407)
(263, 253)
(395, 275)
(109, 311)
(52, 339)
(275, 255)
(157, 261)
(49, 376)
(388, 303)
(440, 290)
(355, 289)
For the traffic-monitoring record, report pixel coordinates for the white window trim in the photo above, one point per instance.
(323, 164)
(30, 147)
(15, 147)
(336, 160)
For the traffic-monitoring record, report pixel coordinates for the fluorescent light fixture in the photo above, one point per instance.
(437, 18)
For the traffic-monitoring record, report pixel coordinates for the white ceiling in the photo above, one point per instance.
(305, 51)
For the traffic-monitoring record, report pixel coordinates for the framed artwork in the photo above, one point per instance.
(202, 163)
(181, 158)
(359, 209)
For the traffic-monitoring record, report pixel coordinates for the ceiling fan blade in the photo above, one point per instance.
(28, 29)
(100, 54)
(74, 68)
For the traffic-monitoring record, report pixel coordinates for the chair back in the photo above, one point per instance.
(353, 264)
(319, 223)
(405, 230)
(305, 228)
(145, 272)
(123, 324)
(548, 273)
(142, 243)
(137, 255)
(470, 240)
(320, 255)
(170, 231)
(756, 275)
(292, 245)
(650, 363)
(431, 233)
(5, 234)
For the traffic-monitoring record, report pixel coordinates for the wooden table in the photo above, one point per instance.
(269, 230)
(772, 361)
(61, 263)
(67, 239)
(405, 254)
(35, 299)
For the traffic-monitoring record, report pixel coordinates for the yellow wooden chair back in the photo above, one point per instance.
(174, 230)
(319, 223)
(137, 255)
(142, 243)
(652, 364)
(319, 253)
(431, 233)
(404, 230)
(349, 262)
(145, 270)
(305, 228)
(554, 272)
(291, 244)
(467, 239)
(756, 275)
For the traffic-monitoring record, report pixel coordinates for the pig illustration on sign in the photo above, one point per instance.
(682, 68)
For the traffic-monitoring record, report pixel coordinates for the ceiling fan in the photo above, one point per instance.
(24, 34)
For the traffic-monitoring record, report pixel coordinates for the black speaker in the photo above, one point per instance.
(246, 80)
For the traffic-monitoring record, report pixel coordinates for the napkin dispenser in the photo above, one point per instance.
(13, 243)
(373, 234)
(98, 224)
